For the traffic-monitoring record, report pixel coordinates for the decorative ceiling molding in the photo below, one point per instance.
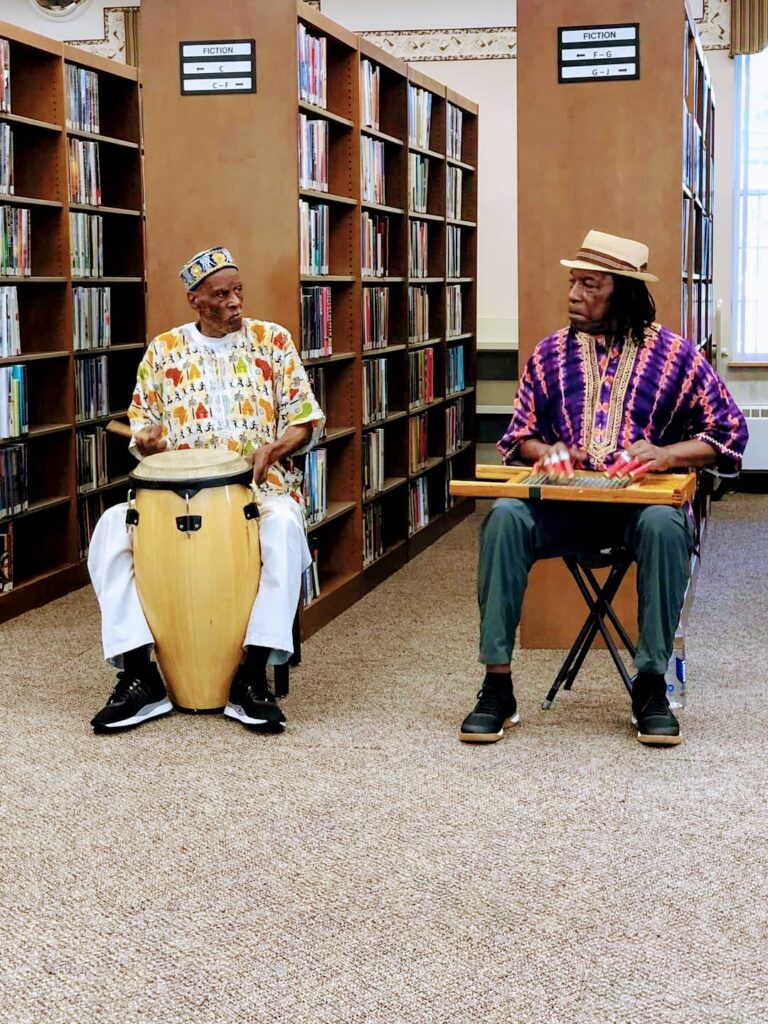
(427, 44)
(715, 25)
(112, 44)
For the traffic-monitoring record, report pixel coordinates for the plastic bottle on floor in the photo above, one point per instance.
(675, 674)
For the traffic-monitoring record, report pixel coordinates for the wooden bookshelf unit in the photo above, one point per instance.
(47, 545)
(621, 156)
(223, 170)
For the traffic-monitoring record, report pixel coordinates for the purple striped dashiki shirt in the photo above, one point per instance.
(577, 390)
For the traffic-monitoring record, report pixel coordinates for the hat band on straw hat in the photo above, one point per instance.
(609, 262)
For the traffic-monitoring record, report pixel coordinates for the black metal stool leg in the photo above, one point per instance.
(600, 604)
(598, 601)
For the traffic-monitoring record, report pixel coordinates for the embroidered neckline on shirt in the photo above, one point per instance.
(598, 452)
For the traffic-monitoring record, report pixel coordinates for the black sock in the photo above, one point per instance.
(255, 663)
(136, 661)
(501, 680)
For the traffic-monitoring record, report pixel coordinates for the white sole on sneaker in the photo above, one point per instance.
(650, 740)
(160, 707)
(489, 737)
(236, 711)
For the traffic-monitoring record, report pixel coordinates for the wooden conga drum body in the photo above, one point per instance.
(197, 564)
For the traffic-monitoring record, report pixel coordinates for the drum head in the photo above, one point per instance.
(192, 464)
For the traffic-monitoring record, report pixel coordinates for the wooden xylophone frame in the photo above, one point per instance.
(507, 482)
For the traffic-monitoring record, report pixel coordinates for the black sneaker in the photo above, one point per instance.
(496, 708)
(253, 703)
(652, 716)
(135, 699)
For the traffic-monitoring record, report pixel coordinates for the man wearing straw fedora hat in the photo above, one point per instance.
(615, 391)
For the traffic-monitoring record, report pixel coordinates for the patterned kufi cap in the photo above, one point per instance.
(205, 263)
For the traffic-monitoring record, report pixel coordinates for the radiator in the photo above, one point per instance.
(756, 455)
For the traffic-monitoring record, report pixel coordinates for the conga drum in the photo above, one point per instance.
(197, 564)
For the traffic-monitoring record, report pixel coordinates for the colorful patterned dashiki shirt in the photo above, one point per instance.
(577, 390)
(261, 389)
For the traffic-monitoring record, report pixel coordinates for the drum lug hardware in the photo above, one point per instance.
(251, 510)
(132, 515)
(187, 523)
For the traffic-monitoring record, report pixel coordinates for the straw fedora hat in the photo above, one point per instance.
(611, 254)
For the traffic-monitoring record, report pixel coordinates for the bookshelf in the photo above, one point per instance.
(698, 186)
(669, 113)
(44, 521)
(356, 175)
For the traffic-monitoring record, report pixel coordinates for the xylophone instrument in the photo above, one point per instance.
(522, 482)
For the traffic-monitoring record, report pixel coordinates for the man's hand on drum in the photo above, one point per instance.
(261, 459)
(558, 459)
(150, 441)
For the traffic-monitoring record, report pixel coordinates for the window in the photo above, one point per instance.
(750, 263)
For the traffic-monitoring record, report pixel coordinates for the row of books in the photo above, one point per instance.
(418, 313)
(455, 369)
(14, 417)
(313, 154)
(370, 90)
(316, 322)
(91, 317)
(418, 175)
(10, 334)
(373, 532)
(418, 255)
(418, 444)
(372, 170)
(375, 317)
(87, 244)
(453, 130)
(91, 459)
(422, 377)
(453, 310)
(453, 251)
(14, 492)
(6, 159)
(315, 485)
(314, 237)
(5, 76)
(82, 99)
(91, 394)
(15, 242)
(316, 375)
(453, 185)
(313, 67)
(375, 393)
(6, 555)
(84, 172)
(374, 244)
(702, 244)
(418, 505)
(310, 580)
(454, 426)
(90, 509)
(373, 462)
(419, 116)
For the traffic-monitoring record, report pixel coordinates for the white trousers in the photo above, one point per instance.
(284, 556)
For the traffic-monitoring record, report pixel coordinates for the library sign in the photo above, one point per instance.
(598, 53)
(217, 66)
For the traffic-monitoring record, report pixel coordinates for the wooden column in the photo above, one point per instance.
(606, 155)
(221, 170)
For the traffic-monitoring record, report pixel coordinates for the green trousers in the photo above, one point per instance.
(517, 533)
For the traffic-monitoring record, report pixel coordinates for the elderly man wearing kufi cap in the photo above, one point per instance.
(614, 389)
(219, 381)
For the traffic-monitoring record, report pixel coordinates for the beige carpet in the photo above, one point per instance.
(365, 867)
